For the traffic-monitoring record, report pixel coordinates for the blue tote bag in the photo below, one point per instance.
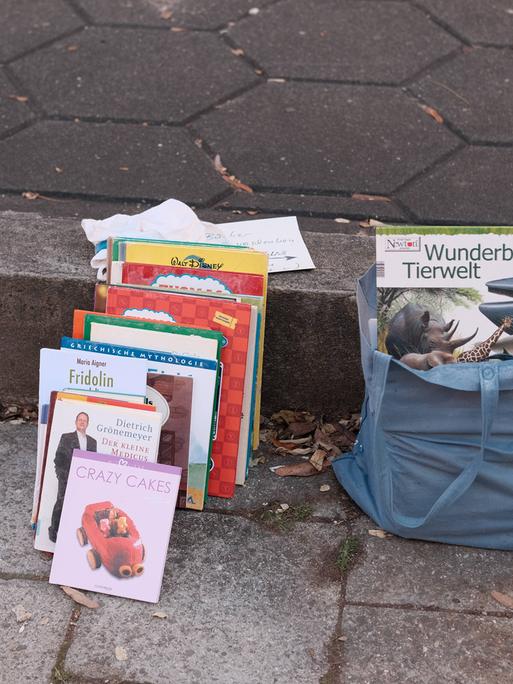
(434, 455)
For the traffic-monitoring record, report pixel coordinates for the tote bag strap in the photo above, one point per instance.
(489, 387)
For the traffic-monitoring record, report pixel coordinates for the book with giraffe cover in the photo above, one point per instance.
(444, 293)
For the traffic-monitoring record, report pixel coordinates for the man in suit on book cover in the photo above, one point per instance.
(78, 439)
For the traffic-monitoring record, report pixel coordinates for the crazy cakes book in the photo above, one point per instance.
(444, 293)
(115, 526)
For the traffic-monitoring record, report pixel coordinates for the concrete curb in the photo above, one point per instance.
(312, 347)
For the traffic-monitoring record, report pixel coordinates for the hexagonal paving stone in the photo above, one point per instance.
(13, 112)
(134, 74)
(109, 160)
(350, 41)
(324, 137)
(26, 24)
(473, 186)
(475, 92)
(200, 14)
(479, 21)
(132, 12)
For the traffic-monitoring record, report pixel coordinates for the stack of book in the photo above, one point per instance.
(152, 402)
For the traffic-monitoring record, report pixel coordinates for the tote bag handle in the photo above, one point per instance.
(489, 388)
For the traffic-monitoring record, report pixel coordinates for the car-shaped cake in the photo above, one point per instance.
(114, 539)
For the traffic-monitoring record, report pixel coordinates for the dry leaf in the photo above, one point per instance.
(381, 534)
(120, 653)
(317, 459)
(370, 198)
(324, 488)
(80, 597)
(18, 98)
(229, 178)
(433, 113)
(298, 429)
(160, 614)
(22, 615)
(503, 599)
(304, 469)
(166, 13)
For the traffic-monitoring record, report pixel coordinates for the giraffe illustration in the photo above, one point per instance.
(482, 350)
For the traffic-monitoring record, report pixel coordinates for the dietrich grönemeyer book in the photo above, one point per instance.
(89, 423)
(445, 293)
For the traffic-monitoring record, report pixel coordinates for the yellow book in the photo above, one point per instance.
(211, 257)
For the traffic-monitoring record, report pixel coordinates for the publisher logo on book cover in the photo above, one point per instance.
(399, 243)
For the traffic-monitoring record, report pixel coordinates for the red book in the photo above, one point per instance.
(192, 279)
(232, 319)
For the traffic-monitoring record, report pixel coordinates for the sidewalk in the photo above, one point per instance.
(398, 110)
(249, 598)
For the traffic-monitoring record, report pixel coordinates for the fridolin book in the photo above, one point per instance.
(204, 374)
(81, 371)
(115, 526)
(233, 321)
(445, 293)
(100, 425)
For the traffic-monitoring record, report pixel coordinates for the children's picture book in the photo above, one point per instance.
(202, 257)
(233, 321)
(115, 525)
(89, 423)
(168, 277)
(172, 396)
(444, 293)
(204, 373)
(80, 371)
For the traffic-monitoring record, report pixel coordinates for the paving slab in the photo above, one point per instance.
(263, 490)
(128, 12)
(14, 110)
(490, 23)
(393, 646)
(361, 206)
(406, 572)
(287, 136)
(482, 174)
(194, 14)
(31, 653)
(43, 285)
(473, 92)
(109, 160)
(87, 76)
(26, 25)
(242, 604)
(18, 468)
(330, 40)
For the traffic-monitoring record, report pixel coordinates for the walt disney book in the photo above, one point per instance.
(115, 525)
